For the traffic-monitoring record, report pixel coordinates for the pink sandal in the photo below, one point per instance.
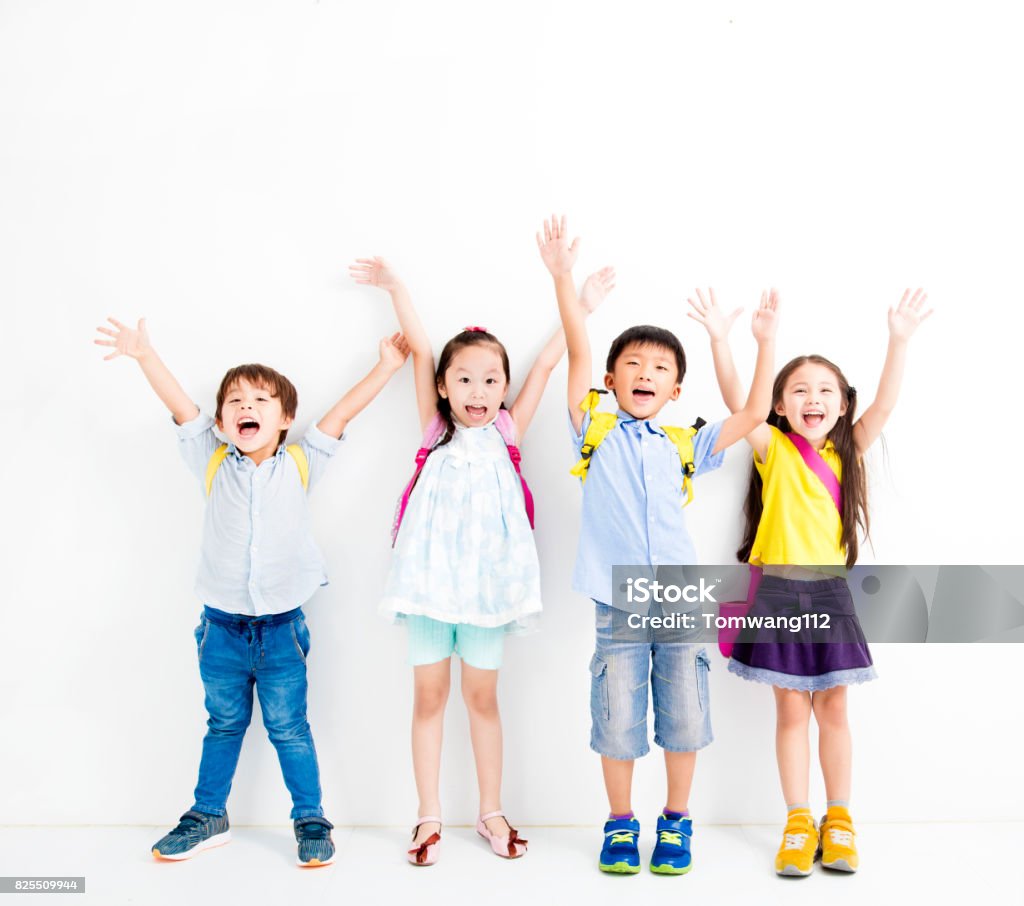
(425, 853)
(510, 846)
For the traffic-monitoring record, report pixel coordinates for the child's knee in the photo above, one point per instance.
(481, 701)
(287, 730)
(830, 707)
(793, 708)
(430, 699)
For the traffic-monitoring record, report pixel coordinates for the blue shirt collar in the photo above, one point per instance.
(652, 424)
(233, 451)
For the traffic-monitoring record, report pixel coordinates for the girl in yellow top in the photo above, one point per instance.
(805, 509)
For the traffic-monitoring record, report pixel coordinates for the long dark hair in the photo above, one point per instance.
(855, 487)
(457, 343)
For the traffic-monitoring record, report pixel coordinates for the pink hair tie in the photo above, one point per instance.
(474, 329)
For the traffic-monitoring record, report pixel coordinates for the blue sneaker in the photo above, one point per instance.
(315, 844)
(620, 854)
(195, 832)
(671, 854)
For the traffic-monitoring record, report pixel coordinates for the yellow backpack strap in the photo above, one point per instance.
(214, 464)
(683, 439)
(299, 455)
(601, 423)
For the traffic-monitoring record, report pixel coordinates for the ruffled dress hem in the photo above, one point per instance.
(849, 677)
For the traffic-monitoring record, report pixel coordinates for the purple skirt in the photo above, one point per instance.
(802, 635)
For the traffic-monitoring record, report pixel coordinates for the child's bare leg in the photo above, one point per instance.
(679, 768)
(792, 748)
(618, 783)
(431, 684)
(835, 746)
(480, 693)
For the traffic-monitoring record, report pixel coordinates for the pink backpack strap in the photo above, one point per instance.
(507, 429)
(434, 431)
(819, 467)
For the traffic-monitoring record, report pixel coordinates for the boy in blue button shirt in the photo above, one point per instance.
(259, 564)
(633, 515)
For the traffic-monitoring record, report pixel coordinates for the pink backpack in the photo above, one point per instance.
(434, 432)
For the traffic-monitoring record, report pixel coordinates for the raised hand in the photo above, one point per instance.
(908, 315)
(596, 288)
(766, 317)
(126, 341)
(394, 350)
(558, 255)
(715, 320)
(374, 272)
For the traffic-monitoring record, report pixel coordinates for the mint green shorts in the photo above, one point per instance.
(431, 641)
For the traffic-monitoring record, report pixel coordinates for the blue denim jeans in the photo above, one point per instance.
(625, 663)
(237, 652)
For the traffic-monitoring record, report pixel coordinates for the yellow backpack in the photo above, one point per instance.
(294, 450)
(602, 423)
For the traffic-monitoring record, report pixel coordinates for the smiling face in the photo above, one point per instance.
(812, 402)
(474, 384)
(644, 378)
(252, 419)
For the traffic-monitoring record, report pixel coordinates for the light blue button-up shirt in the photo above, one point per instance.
(258, 555)
(633, 501)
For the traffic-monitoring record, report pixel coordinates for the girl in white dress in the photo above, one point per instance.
(465, 570)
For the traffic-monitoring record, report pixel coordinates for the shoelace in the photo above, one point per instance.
(674, 837)
(795, 841)
(841, 837)
(622, 837)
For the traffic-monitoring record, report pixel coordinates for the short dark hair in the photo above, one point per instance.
(647, 335)
(261, 376)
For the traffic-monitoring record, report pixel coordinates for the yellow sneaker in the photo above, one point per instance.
(838, 850)
(799, 846)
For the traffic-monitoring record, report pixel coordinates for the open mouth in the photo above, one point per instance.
(813, 418)
(476, 412)
(248, 427)
(643, 395)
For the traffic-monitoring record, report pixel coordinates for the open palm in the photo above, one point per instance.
(556, 252)
(374, 272)
(133, 343)
(908, 315)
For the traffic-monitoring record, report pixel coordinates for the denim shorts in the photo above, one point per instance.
(431, 641)
(624, 664)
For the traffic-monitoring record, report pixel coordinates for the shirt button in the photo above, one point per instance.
(647, 478)
(254, 548)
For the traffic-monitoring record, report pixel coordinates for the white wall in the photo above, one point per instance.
(215, 167)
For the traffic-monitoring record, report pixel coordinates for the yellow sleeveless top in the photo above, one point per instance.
(800, 525)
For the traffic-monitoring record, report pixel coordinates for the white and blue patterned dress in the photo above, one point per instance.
(465, 552)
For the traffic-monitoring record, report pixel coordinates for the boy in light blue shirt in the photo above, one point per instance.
(259, 564)
(635, 487)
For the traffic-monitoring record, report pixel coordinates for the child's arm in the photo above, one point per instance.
(903, 321)
(376, 272)
(595, 288)
(135, 344)
(559, 257)
(749, 421)
(718, 324)
(394, 350)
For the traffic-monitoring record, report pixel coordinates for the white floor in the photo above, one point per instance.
(916, 863)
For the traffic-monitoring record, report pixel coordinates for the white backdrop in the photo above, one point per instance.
(216, 166)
